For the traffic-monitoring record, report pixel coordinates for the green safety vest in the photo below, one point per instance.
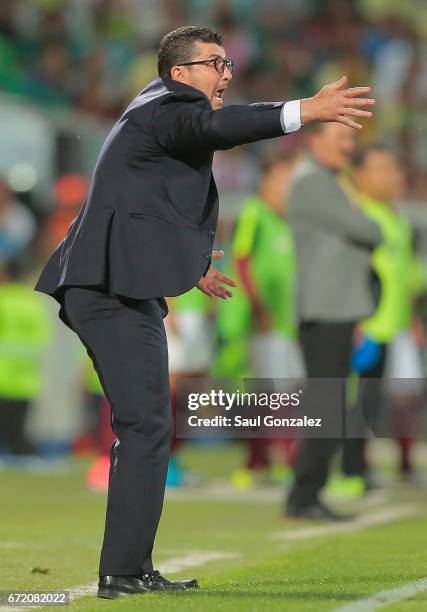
(266, 239)
(25, 329)
(400, 273)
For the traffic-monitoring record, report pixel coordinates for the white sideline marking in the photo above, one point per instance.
(378, 600)
(171, 566)
(194, 560)
(387, 515)
(83, 590)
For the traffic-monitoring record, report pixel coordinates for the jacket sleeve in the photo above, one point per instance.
(185, 123)
(319, 201)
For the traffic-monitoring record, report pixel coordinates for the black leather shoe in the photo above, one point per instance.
(153, 581)
(112, 587)
(317, 512)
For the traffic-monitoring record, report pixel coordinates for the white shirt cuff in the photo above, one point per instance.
(290, 117)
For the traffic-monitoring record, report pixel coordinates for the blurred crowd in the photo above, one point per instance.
(96, 55)
(93, 57)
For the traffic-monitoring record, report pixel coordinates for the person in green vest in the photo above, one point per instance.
(257, 329)
(24, 335)
(398, 277)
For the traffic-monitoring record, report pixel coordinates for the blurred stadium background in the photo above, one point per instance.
(67, 69)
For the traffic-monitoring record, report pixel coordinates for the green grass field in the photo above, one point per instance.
(52, 523)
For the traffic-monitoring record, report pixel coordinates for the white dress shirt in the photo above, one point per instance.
(290, 117)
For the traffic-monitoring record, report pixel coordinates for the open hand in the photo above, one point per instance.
(334, 103)
(211, 283)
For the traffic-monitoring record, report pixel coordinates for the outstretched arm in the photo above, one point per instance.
(184, 123)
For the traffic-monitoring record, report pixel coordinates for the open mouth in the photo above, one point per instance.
(219, 94)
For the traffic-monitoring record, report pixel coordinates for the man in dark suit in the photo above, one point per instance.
(146, 231)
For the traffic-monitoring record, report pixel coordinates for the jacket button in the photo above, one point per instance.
(208, 255)
(211, 234)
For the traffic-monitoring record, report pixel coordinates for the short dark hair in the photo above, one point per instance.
(361, 154)
(177, 46)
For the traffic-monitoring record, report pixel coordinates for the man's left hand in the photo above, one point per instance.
(211, 284)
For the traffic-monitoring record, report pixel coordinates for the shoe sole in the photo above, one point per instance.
(109, 594)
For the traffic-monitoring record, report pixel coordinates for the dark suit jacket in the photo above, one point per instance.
(147, 227)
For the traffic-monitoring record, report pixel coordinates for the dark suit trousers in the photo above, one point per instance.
(327, 349)
(126, 341)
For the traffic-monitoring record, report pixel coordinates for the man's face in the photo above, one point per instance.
(333, 145)
(205, 77)
(380, 177)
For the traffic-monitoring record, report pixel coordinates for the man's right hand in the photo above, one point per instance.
(334, 103)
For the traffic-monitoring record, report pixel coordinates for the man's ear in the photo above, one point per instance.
(179, 74)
